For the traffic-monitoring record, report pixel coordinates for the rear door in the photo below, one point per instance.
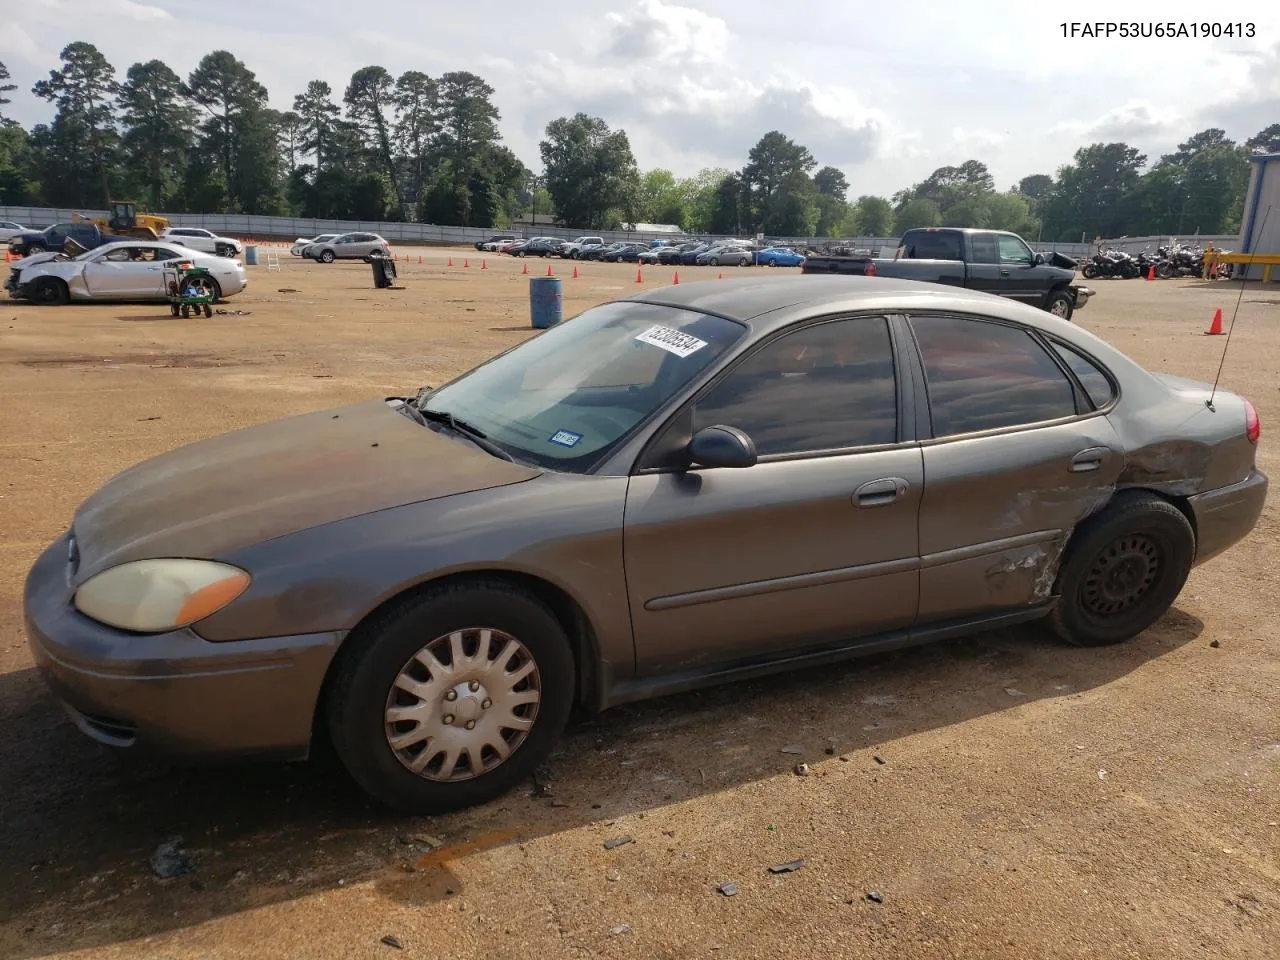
(814, 544)
(1019, 454)
(983, 267)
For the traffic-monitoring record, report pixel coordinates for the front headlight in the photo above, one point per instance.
(154, 596)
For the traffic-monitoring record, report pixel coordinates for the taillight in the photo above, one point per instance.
(869, 270)
(1252, 425)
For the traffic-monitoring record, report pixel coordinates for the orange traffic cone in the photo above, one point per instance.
(719, 276)
(676, 278)
(549, 273)
(419, 259)
(639, 275)
(575, 273)
(451, 261)
(466, 261)
(484, 264)
(1151, 272)
(525, 271)
(1215, 328)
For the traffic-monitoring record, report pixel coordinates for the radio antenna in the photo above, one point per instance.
(1225, 346)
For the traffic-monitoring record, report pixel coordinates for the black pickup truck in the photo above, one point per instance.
(990, 260)
(54, 238)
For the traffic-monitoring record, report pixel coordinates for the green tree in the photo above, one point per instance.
(157, 121)
(417, 103)
(236, 131)
(468, 132)
(18, 181)
(5, 87)
(871, 217)
(917, 212)
(771, 169)
(289, 133)
(730, 206)
(661, 199)
(83, 133)
(698, 197)
(319, 121)
(369, 97)
(589, 170)
(1266, 140)
(1091, 192)
(833, 207)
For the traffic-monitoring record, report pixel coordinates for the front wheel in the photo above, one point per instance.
(327, 256)
(452, 697)
(51, 292)
(1060, 304)
(1122, 570)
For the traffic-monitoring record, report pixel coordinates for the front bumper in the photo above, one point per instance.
(1082, 295)
(1227, 515)
(175, 692)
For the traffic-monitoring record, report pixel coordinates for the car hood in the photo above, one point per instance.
(255, 484)
(35, 258)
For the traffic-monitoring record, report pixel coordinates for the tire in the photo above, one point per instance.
(210, 284)
(186, 311)
(364, 690)
(327, 256)
(173, 310)
(1164, 271)
(50, 292)
(208, 311)
(1138, 534)
(1089, 271)
(1060, 304)
(744, 262)
(222, 250)
(36, 248)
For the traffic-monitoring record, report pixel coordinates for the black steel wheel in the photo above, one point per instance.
(1122, 570)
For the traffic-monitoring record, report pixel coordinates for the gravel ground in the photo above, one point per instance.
(1001, 797)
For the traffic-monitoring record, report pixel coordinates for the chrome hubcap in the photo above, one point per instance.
(1059, 308)
(462, 704)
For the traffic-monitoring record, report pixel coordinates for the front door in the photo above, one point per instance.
(998, 507)
(121, 273)
(816, 543)
(1020, 277)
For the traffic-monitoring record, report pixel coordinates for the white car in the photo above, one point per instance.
(9, 229)
(128, 270)
(303, 242)
(203, 240)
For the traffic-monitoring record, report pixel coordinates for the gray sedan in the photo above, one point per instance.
(696, 484)
(347, 246)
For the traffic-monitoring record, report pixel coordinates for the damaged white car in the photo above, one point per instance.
(128, 270)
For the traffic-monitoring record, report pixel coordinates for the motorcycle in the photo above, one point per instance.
(1111, 264)
(1179, 260)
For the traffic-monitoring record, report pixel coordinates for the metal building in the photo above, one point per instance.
(1263, 194)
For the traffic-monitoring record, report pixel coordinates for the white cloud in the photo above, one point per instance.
(886, 94)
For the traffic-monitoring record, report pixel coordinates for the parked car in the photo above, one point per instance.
(302, 243)
(9, 229)
(604, 252)
(572, 249)
(651, 255)
(993, 261)
(538, 247)
(695, 484)
(725, 255)
(668, 256)
(622, 253)
(348, 246)
(493, 243)
(124, 270)
(52, 239)
(779, 257)
(205, 241)
(690, 256)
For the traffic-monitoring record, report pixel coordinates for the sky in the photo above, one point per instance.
(886, 94)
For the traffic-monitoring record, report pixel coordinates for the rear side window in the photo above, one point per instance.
(983, 376)
(1091, 377)
(983, 249)
(933, 246)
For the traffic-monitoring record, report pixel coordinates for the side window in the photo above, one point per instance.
(1013, 250)
(121, 255)
(1094, 381)
(984, 375)
(826, 387)
(983, 248)
(928, 245)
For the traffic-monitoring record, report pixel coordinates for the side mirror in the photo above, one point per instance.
(1039, 259)
(721, 446)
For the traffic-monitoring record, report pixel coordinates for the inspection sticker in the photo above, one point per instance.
(673, 341)
(566, 438)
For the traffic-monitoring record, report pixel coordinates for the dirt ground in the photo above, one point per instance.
(1003, 797)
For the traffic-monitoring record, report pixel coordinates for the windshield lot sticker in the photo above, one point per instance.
(566, 438)
(673, 341)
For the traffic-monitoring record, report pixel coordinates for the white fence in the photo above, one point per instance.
(289, 228)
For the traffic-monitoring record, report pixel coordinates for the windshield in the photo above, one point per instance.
(567, 397)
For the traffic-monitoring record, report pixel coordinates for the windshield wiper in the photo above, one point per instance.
(476, 436)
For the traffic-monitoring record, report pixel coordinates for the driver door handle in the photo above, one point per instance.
(880, 493)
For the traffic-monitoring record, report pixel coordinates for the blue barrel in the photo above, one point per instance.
(251, 254)
(545, 303)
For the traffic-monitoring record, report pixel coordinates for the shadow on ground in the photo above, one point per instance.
(78, 822)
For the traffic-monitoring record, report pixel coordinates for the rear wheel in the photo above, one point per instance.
(50, 292)
(208, 286)
(1090, 271)
(1122, 571)
(35, 248)
(451, 698)
(223, 250)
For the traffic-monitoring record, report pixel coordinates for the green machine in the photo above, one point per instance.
(189, 288)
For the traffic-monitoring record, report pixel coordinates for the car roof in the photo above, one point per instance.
(765, 303)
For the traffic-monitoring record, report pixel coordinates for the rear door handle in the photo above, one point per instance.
(879, 493)
(1090, 459)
